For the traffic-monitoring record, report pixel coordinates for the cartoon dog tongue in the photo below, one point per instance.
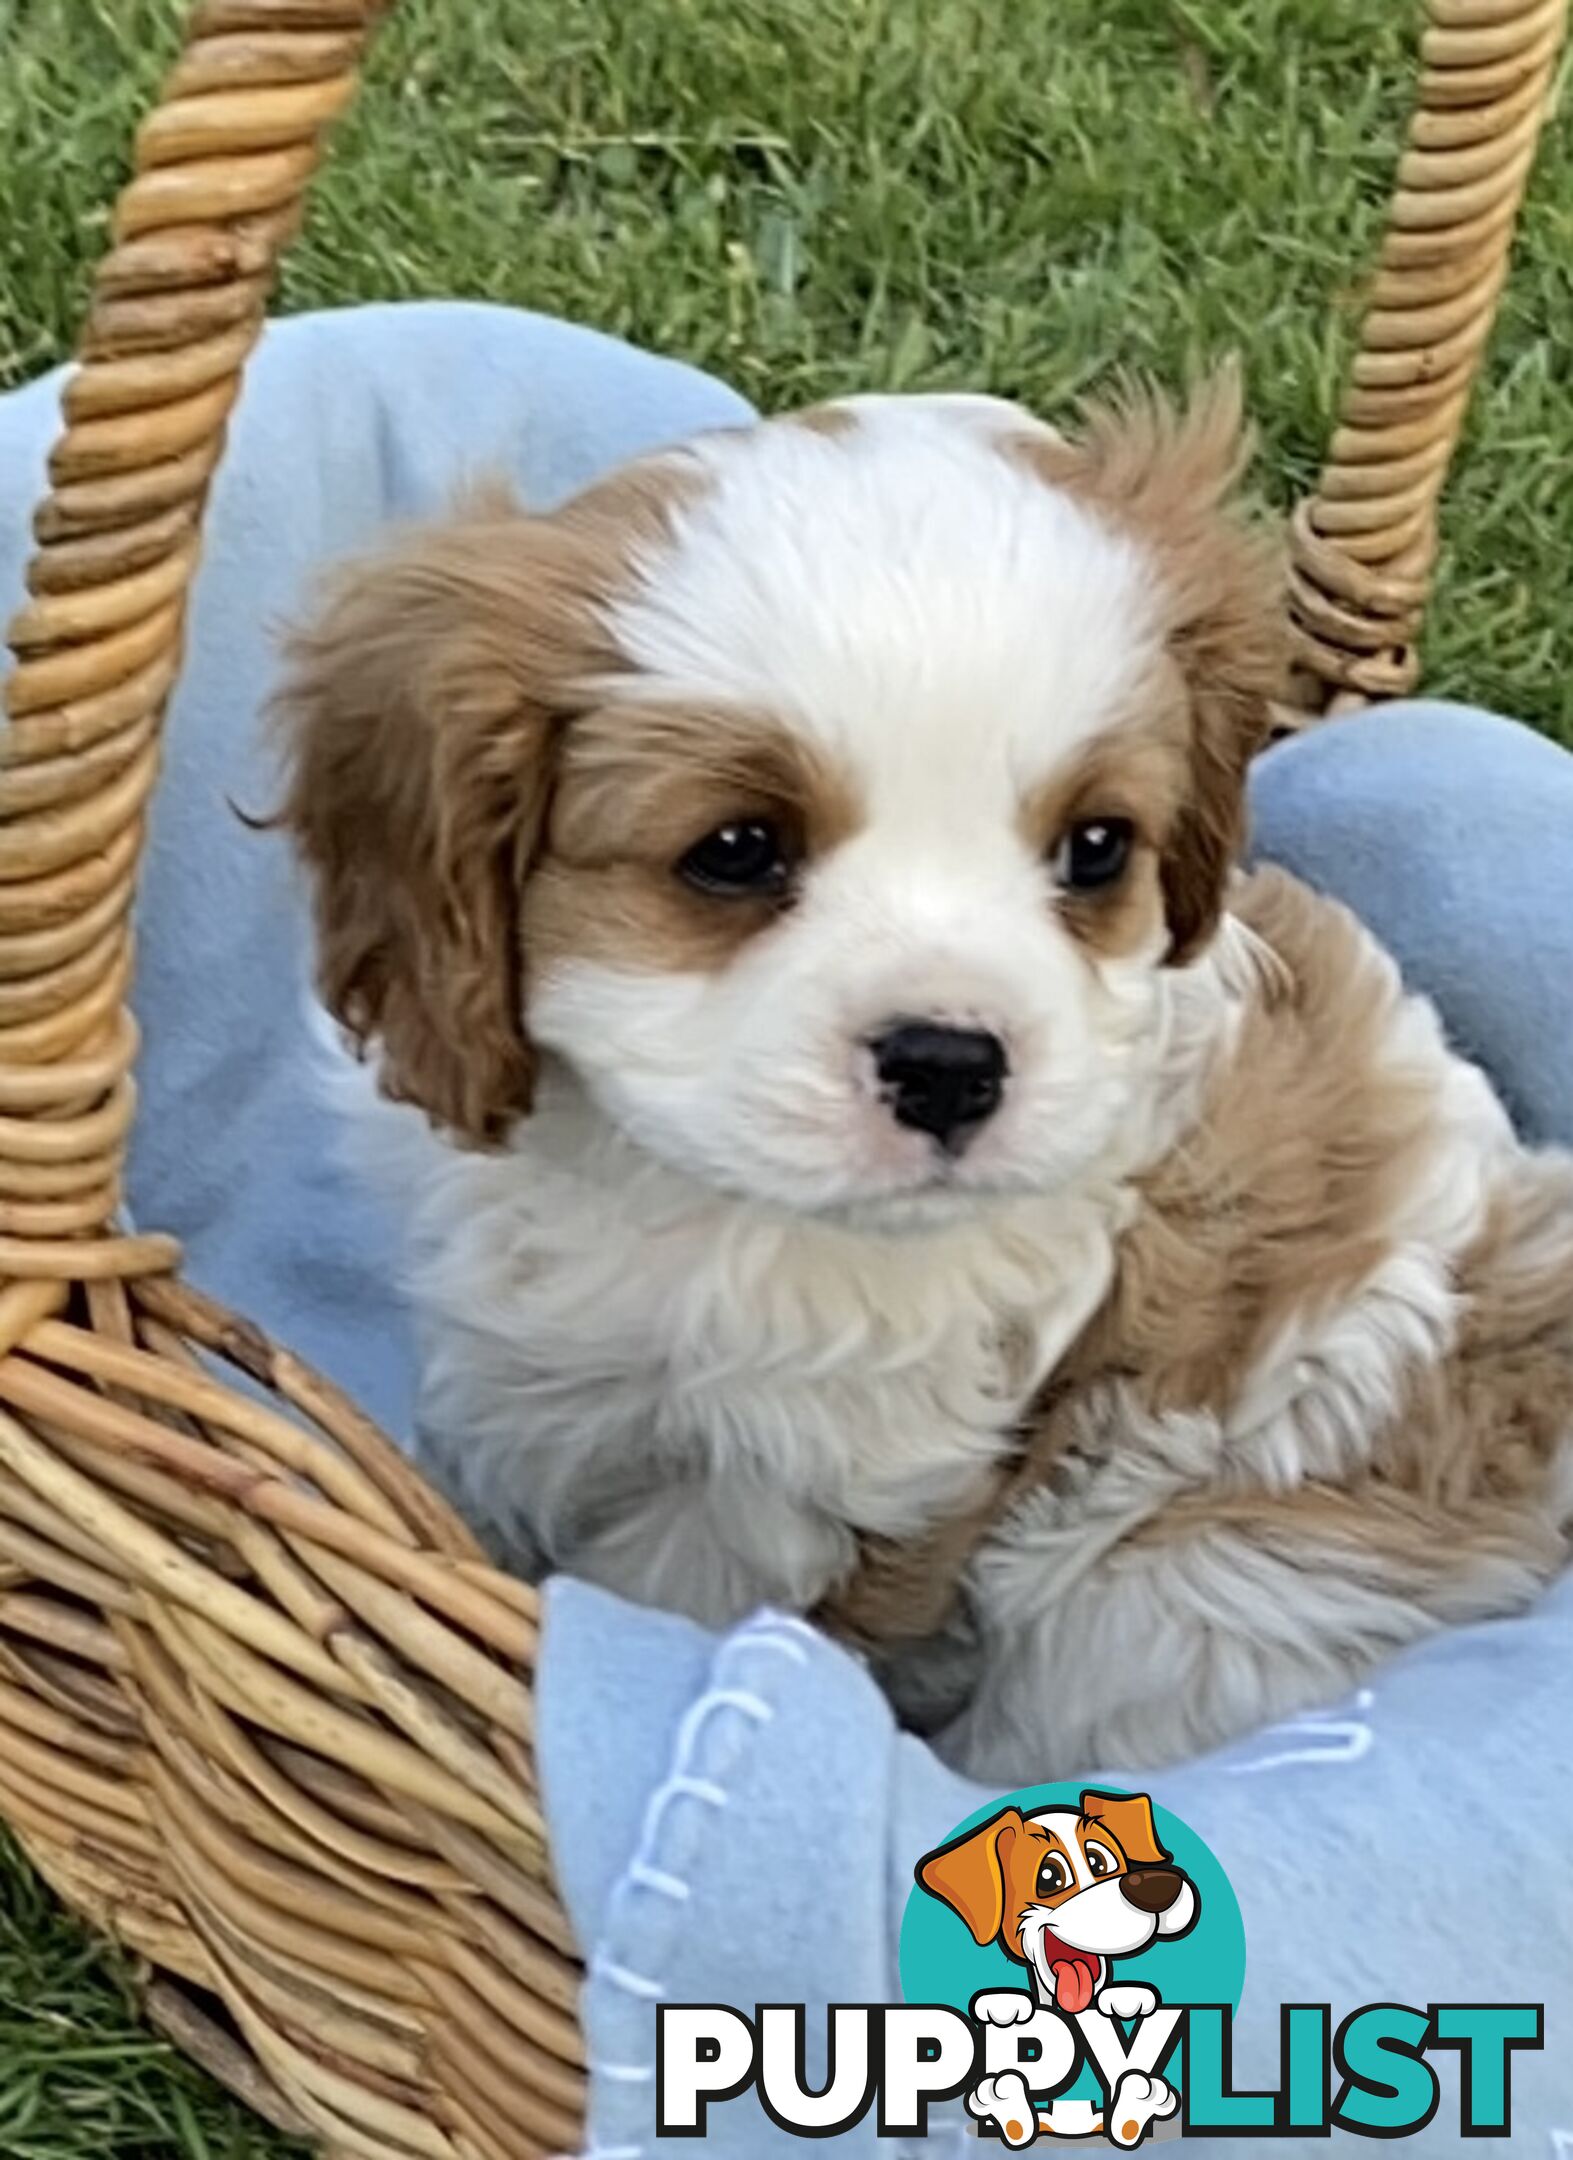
(1075, 1977)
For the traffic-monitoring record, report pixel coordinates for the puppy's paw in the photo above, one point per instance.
(1003, 2006)
(1139, 2101)
(1005, 2102)
(1128, 1999)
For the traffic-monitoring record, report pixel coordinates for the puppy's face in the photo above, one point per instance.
(829, 797)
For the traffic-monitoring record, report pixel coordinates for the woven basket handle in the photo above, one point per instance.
(221, 168)
(1363, 547)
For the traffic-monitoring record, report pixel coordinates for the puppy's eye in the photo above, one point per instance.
(747, 856)
(1054, 1875)
(1100, 1861)
(1094, 853)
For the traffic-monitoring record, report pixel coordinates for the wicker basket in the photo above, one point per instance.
(265, 1712)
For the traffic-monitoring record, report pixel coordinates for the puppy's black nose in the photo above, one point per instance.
(941, 1080)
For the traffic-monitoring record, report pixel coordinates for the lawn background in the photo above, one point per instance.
(811, 196)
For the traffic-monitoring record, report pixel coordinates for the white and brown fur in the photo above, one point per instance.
(1234, 1353)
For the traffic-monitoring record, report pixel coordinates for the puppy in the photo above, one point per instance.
(888, 1162)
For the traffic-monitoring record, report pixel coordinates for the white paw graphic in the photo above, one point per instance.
(1139, 2101)
(1003, 2006)
(1005, 2102)
(1128, 1999)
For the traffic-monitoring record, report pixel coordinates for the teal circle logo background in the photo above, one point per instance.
(940, 1962)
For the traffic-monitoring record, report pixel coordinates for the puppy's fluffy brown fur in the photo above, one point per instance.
(1231, 1349)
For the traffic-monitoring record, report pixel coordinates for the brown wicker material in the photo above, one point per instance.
(265, 1712)
(1363, 547)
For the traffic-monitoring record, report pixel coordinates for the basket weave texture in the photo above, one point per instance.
(1363, 547)
(265, 1711)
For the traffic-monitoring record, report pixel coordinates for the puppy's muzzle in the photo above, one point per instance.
(1152, 1890)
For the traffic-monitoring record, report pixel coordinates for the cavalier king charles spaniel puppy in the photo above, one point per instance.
(866, 1146)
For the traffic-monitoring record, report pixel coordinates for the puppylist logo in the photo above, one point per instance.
(1072, 1960)
(1074, 1896)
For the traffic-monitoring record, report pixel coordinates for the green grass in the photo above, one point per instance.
(808, 196)
(80, 2077)
(814, 194)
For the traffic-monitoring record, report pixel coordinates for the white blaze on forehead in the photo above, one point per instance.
(1063, 1821)
(910, 596)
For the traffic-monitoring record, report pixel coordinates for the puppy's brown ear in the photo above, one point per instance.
(420, 713)
(970, 1875)
(1129, 1817)
(1170, 475)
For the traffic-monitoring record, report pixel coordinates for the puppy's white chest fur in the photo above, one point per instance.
(699, 1402)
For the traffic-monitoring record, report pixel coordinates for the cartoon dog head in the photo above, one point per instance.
(1065, 1890)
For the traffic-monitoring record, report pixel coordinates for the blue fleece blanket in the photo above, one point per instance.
(1410, 1844)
